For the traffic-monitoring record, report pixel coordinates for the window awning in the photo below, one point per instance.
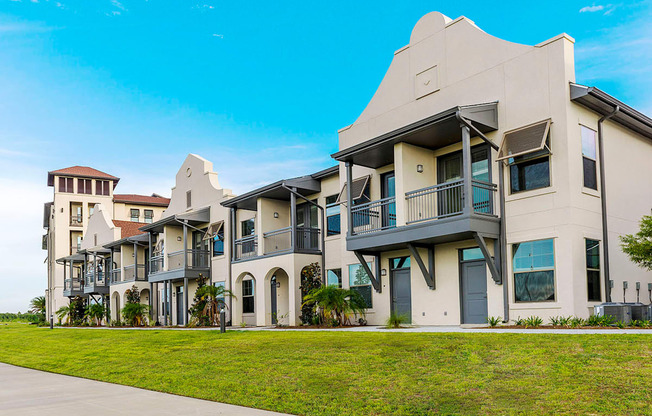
(357, 189)
(213, 230)
(524, 140)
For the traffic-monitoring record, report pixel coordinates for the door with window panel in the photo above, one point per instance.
(451, 171)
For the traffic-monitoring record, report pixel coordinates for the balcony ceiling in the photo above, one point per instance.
(434, 132)
(195, 217)
(305, 185)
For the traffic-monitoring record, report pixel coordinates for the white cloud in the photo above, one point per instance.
(591, 9)
(218, 35)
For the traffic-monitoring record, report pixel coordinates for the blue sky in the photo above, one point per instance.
(130, 87)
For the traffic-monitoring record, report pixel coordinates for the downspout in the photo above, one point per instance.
(603, 200)
(503, 239)
(230, 256)
(323, 231)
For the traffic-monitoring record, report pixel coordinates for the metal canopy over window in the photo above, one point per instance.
(524, 140)
(213, 230)
(357, 189)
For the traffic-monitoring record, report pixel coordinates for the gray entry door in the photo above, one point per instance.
(272, 291)
(401, 293)
(474, 292)
(181, 316)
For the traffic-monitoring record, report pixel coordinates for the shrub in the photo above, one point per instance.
(334, 303)
(207, 304)
(621, 324)
(395, 320)
(519, 321)
(135, 314)
(310, 281)
(595, 320)
(494, 321)
(576, 322)
(533, 322)
(555, 320)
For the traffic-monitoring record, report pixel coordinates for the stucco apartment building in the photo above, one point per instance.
(480, 180)
(77, 191)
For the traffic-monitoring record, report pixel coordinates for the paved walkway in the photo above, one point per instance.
(432, 329)
(28, 392)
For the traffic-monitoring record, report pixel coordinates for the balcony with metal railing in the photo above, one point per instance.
(306, 240)
(178, 264)
(76, 220)
(73, 286)
(95, 282)
(130, 274)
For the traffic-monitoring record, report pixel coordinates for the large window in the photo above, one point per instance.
(102, 187)
(332, 215)
(248, 227)
(65, 185)
(149, 216)
(593, 270)
(531, 171)
(534, 271)
(134, 214)
(589, 158)
(248, 296)
(360, 282)
(84, 186)
(218, 243)
(334, 277)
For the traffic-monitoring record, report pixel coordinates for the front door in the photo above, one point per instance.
(307, 237)
(181, 316)
(400, 288)
(388, 209)
(200, 247)
(474, 292)
(274, 309)
(450, 169)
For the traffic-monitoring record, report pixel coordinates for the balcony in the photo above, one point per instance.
(116, 276)
(73, 287)
(95, 283)
(178, 264)
(307, 240)
(76, 220)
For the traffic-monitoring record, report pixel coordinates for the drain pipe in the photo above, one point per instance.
(503, 240)
(323, 231)
(603, 200)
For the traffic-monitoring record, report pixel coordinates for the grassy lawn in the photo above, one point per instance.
(338, 373)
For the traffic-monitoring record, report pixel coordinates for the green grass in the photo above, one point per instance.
(345, 373)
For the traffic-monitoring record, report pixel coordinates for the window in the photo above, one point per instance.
(529, 172)
(218, 243)
(134, 214)
(188, 199)
(248, 227)
(91, 209)
(469, 254)
(589, 158)
(332, 215)
(65, 185)
(149, 216)
(534, 271)
(247, 296)
(334, 277)
(84, 186)
(102, 188)
(593, 270)
(399, 263)
(360, 282)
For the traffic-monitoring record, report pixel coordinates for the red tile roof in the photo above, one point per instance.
(129, 228)
(81, 172)
(142, 199)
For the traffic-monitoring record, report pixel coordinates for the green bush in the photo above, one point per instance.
(620, 324)
(519, 321)
(595, 320)
(576, 322)
(494, 321)
(533, 322)
(395, 320)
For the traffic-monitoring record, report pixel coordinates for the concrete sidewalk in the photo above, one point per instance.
(27, 392)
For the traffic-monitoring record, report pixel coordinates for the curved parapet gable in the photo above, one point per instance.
(454, 63)
(196, 176)
(101, 229)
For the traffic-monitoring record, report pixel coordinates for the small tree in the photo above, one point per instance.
(77, 310)
(37, 307)
(639, 246)
(310, 280)
(199, 303)
(64, 312)
(95, 313)
(134, 312)
(336, 304)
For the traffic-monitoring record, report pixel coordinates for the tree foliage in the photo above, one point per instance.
(37, 307)
(639, 246)
(310, 281)
(95, 313)
(336, 305)
(134, 313)
(207, 304)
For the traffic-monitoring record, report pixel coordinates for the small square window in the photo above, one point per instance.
(134, 214)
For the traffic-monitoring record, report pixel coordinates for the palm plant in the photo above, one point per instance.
(336, 304)
(64, 312)
(37, 307)
(134, 314)
(209, 301)
(95, 312)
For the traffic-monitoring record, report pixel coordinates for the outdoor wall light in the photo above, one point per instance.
(276, 215)
(383, 272)
(420, 168)
(178, 238)
(278, 285)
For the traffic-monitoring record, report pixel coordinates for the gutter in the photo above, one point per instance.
(603, 200)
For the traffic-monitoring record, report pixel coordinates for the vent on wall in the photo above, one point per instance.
(188, 199)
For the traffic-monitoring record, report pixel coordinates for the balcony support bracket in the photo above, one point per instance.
(427, 272)
(494, 267)
(374, 277)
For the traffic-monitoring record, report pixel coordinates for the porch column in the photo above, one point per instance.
(85, 269)
(349, 203)
(135, 262)
(466, 167)
(165, 303)
(94, 268)
(185, 300)
(151, 300)
(169, 295)
(293, 219)
(72, 283)
(233, 235)
(185, 244)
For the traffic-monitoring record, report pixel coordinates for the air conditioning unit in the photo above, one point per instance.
(620, 311)
(640, 312)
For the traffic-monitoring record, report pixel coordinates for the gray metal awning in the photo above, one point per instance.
(434, 132)
(140, 238)
(77, 257)
(604, 104)
(194, 217)
(305, 185)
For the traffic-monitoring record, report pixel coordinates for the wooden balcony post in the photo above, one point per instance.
(349, 203)
(293, 219)
(185, 244)
(467, 172)
(135, 262)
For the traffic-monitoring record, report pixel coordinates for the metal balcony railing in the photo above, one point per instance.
(246, 247)
(484, 197)
(74, 283)
(76, 220)
(307, 238)
(374, 216)
(116, 275)
(277, 241)
(195, 259)
(130, 273)
(156, 263)
(94, 280)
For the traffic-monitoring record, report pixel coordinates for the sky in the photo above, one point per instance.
(131, 87)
